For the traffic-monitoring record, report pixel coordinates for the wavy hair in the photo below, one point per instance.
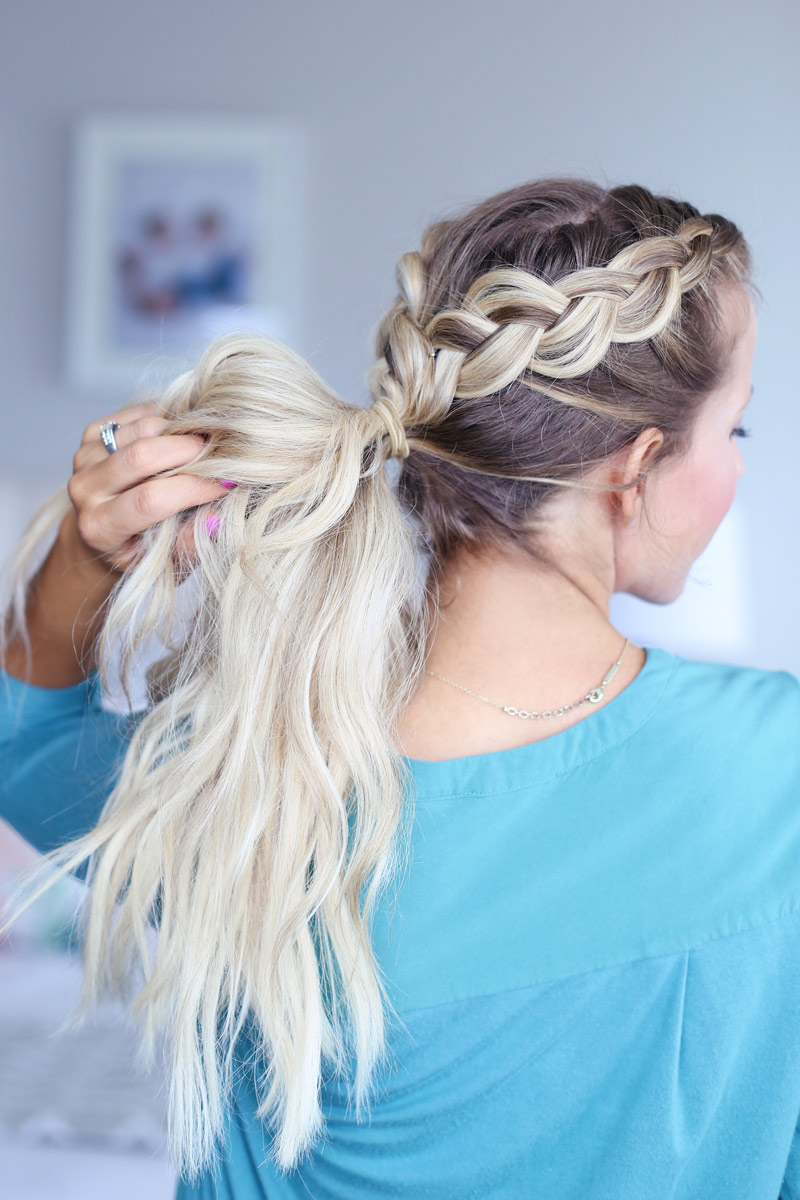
(262, 808)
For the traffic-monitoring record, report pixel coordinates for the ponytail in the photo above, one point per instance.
(262, 807)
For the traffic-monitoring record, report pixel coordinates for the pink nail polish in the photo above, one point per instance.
(212, 523)
(227, 483)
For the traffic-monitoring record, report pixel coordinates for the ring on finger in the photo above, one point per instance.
(107, 430)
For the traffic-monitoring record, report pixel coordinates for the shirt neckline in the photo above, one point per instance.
(534, 762)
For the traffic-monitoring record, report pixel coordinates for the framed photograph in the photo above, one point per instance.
(181, 228)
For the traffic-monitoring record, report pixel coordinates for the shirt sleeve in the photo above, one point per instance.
(60, 753)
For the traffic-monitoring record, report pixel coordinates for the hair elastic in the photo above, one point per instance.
(394, 427)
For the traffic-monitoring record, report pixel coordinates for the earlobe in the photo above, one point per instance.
(619, 504)
(629, 499)
(645, 449)
(628, 477)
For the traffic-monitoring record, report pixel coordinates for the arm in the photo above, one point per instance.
(60, 751)
(63, 613)
(59, 748)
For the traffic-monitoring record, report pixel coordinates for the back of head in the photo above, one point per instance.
(263, 805)
(565, 319)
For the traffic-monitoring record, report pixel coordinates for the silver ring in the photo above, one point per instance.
(107, 434)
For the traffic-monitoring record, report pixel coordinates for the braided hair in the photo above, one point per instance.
(538, 334)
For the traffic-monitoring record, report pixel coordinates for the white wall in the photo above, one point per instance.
(413, 109)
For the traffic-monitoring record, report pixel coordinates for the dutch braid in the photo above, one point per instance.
(514, 325)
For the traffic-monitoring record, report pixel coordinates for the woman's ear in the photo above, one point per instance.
(628, 473)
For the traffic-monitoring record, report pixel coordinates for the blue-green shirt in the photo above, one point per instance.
(595, 954)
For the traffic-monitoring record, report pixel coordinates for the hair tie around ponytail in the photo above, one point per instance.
(394, 427)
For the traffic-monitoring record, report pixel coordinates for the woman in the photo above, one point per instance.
(437, 885)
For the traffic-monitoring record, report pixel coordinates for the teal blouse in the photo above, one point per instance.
(595, 955)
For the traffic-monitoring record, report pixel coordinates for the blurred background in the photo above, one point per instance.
(170, 172)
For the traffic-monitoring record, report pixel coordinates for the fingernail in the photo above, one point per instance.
(227, 483)
(212, 523)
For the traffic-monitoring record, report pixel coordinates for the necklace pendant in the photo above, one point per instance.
(596, 695)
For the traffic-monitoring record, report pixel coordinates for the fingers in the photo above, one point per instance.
(144, 450)
(108, 523)
(117, 495)
(91, 451)
(123, 416)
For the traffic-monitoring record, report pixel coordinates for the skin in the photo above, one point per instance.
(537, 639)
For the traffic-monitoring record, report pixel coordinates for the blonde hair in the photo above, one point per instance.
(262, 809)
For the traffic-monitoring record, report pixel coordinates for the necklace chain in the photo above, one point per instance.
(594, 696)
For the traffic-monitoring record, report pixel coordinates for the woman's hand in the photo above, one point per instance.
(117, 495)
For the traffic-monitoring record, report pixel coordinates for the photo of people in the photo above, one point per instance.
(183, 245)
(181, 228)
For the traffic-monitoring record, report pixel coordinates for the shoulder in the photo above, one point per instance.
(737, 723)
(757, 704)
(731, 778)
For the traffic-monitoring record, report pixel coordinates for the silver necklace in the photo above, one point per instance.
(594, 696)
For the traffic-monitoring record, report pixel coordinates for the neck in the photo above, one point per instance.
(505, 622)
(519, 635)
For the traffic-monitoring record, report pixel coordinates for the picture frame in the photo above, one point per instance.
(182, 227)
